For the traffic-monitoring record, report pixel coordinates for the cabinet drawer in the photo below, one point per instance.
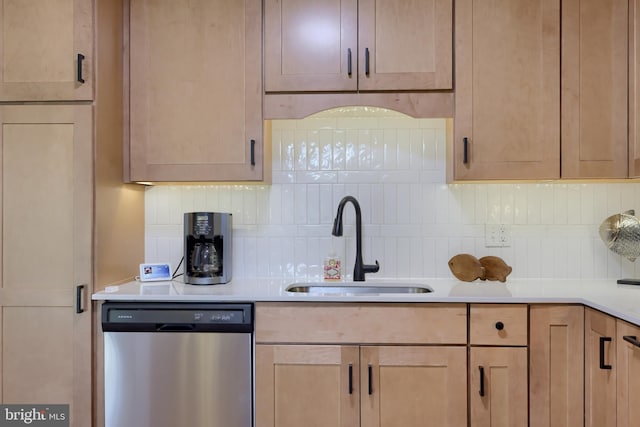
(498, 324)
(361, 323)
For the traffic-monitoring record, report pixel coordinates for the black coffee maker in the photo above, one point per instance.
(207, 248)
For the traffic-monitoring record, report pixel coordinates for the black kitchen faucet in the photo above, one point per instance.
(360, 268)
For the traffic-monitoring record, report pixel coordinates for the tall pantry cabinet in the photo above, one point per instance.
(58, 215)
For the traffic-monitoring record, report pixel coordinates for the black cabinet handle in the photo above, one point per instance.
(80, 59)
(602, 341)
(631, 339)
(79, 289)
(481, 381)
(465, 150)
(366, 61)
(350, 378)
(349, 69)
(370, 379)
(499, 326)
(253, 152)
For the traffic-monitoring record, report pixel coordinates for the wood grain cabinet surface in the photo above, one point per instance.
(612, 366)
(46, 252)
(594, 134)
(340, 385)
(556, 365)
(195, 91)
(556, 99)
(628, 375)
(498, 361)
(600, 369)
(582, 366)
(308, 374)
(346, 45)
(634, 88)
(507, 93)
(498, 386)
(47, 50)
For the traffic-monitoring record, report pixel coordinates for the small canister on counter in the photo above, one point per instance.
(332, 268)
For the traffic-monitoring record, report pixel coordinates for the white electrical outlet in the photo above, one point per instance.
(497, 235)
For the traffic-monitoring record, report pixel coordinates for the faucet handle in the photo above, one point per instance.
(370, 268)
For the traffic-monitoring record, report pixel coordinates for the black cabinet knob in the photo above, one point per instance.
(499, 326)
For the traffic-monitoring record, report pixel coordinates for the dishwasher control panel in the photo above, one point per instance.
(177, 317)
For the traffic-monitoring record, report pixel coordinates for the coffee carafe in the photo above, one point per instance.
(204, 258)
(207, 248)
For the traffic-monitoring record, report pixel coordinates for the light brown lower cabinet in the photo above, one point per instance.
(628, 378)
(307, 385)
(370, 365)
(556, 364)
(335, 385)
(612, 371)
(600, 369)
(576, 367)
(412, 386)
(498, 393)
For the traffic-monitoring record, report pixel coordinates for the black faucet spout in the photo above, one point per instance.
(360, 268)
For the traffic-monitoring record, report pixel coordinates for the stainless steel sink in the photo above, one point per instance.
(357, 289)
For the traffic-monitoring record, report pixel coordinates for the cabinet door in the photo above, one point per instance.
(46, 253)
(310, 45)
(634, 89)
(40, 44)
(507, 98)
(600, 369)
(413, 386)
(628, 375)
(556, 391)
(498, 386)
(405, 45)
(195, 93)
(594, 88)
(307, 385)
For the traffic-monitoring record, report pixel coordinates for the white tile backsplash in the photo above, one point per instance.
(413, 222)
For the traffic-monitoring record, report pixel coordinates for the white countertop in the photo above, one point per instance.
(622, 301)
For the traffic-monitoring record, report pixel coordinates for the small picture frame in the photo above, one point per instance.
(155, 272)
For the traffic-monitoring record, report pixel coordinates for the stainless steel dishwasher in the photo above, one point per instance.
(178, 364)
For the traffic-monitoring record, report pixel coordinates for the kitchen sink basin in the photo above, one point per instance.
(357, 289)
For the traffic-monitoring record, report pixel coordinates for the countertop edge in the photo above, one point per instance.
(621, 301)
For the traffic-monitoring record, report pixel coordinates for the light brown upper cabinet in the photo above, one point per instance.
(47, 50)
(634, 89)
(594, 88)
(346, 45)
(507, 94)
(195, 90)
(534, 102)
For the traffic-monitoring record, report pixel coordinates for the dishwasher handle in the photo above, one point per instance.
(172, 327)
